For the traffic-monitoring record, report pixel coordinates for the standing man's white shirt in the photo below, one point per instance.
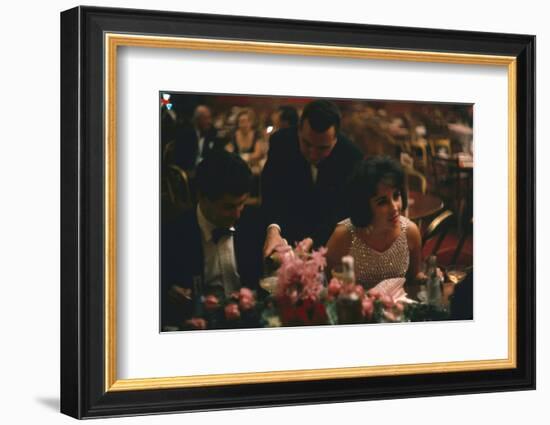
(220, 266)
(314, 173)
(200, 146)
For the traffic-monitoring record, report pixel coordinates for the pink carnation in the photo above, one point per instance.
(387, 301)
(399, 307)
(368, 307)
(390, 316)
(359, 290)
(334, 287)
(374, 293)
(211, 302)
(197, 323)
(246, 299)
(232, 312)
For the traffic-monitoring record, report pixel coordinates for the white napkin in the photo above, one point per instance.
(394, 288)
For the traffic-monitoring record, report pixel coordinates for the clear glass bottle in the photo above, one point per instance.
(433, 285)
(349, 306)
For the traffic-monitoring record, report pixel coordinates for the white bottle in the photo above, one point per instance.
(348, 269)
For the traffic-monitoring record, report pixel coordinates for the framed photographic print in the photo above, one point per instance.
(261, 212)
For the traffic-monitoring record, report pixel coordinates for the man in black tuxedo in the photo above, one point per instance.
(193, 143)
(304, 178)
(211, 249)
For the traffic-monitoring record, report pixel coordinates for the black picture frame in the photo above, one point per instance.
(83, 168)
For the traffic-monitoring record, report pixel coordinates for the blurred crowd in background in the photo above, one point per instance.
(433, 141)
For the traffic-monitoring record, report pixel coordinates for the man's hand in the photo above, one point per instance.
(274, 242)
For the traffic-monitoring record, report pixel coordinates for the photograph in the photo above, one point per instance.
(292, 211)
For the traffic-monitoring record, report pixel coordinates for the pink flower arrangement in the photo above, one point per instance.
(300, 285)
(300, 275)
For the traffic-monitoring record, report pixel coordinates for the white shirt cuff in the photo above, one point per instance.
(274, 225)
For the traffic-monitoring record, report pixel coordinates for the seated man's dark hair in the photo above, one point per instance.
(289, 115)
(364, 183)
(223, 173)
(321, 115)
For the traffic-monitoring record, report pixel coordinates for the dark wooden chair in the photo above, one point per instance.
(467, 231)
(176, 193)
(438, 230)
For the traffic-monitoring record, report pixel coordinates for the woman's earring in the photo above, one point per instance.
(369, 229)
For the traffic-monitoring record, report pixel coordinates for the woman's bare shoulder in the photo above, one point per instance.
(340, 239)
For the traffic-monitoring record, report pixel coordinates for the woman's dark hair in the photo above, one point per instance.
(363, 186)
(321, 115)
(289, 115)
(223, 173)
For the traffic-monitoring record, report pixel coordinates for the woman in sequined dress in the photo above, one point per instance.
(384, 243)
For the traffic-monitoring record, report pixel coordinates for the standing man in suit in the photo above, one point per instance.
(209, 250)
(193, 143)
(304, 178)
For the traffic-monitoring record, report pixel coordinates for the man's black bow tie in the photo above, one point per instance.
(221, 232)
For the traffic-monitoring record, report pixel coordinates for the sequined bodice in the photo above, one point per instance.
(372, 266)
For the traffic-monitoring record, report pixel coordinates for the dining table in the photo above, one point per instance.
(422, 205)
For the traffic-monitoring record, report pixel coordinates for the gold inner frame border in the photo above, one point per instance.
(113, 40)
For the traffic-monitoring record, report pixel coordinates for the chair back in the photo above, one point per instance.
(438, 229)
(420, 148)
(176, 192)
(467, 231)
(417, 180)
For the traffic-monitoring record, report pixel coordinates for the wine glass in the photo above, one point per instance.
(456, 273)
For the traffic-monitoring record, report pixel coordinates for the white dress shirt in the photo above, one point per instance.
(220, 266)
(314, 173)
(200, 147)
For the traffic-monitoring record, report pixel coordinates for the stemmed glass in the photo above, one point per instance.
(456, 273)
